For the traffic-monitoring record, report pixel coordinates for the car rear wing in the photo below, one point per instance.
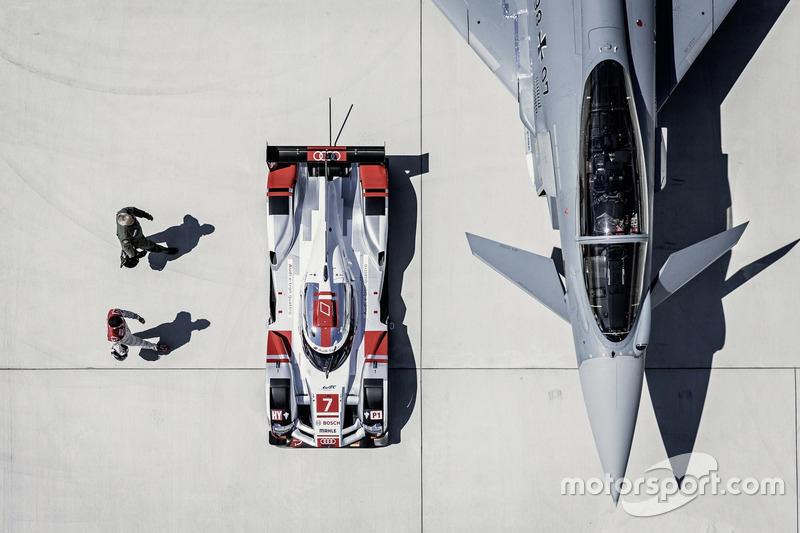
(320, 154)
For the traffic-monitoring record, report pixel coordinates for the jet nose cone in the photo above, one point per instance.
(612, 388)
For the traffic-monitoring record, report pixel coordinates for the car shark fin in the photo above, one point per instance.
(682, 266)
(533, 273)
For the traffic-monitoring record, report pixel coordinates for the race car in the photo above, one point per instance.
(327, 345)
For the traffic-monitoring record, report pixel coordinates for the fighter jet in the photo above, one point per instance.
(584, 74)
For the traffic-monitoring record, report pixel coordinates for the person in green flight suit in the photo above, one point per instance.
(129, 233)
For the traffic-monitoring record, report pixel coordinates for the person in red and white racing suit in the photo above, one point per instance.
(121, 337)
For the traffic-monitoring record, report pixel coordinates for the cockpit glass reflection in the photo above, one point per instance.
(613, 201)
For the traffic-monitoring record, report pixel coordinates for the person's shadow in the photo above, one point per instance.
(184, 237)
(174, 334)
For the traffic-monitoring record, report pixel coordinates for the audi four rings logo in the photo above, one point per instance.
(327, 441)
(322, 155)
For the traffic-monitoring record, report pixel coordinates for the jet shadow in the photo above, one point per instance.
(184, 237)
(689, 327)
(174, 334)
(400, 252)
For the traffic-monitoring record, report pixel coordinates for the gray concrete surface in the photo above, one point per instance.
(168, 108)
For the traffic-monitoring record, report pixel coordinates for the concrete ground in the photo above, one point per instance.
(168, 108)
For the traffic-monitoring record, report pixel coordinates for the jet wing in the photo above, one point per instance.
(693, 24)
(533, 273)
(685, 264)
(491, 30)
(534, 50)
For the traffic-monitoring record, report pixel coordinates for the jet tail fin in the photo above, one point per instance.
(533, 273)
(685, 264)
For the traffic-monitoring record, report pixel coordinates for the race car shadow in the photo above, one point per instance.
(402, 237)
(184, 237)
(174, 334)
(688, 329)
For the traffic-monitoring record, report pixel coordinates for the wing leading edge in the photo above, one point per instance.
(685, 264)
(492, 30)
(693, 22)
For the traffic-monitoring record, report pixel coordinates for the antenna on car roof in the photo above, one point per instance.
(330, 124)
(343, 123)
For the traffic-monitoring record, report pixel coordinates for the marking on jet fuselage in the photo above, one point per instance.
(542, 45)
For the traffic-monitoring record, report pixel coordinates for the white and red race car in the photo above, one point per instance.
(327, 346)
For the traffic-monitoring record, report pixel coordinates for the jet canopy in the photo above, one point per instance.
(612, 189)
(613, 215)
(328, 324)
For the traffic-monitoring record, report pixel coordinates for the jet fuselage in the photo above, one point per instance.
(604, 197)
(584, 75)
